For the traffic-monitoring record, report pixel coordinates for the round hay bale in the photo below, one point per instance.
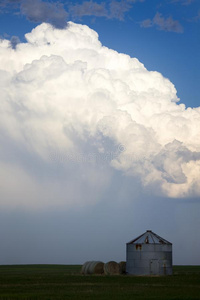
(122, 267)
(85, 267)
(92, 267)
(111, 268)
(96, 267)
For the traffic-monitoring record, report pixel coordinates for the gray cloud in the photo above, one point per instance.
(118, 9)
(14, 41)
(183, 2)
(167, 24)
(89, 8)
(195, 18)
(162, 23)
(146, 23)
(112, 9)
(39, 11)
(11, 1)
(5, 3)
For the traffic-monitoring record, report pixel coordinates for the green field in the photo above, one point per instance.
(65, 282)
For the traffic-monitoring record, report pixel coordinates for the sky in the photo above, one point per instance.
(99, 128)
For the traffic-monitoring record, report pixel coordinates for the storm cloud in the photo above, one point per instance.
(73, 113)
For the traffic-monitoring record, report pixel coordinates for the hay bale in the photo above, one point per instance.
(85, 267)
(111, 268)
(96, 267)
(92, 267)
(122, 267)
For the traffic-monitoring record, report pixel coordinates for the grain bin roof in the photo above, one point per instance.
(149, 237)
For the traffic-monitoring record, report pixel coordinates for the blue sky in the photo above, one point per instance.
(168, 44)
(95, 148)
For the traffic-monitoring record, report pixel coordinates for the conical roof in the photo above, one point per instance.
(149, 237)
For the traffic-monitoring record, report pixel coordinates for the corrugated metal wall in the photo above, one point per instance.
(149, 259)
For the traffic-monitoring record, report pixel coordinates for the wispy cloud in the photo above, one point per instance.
(119, 8)
(111, 9)
(4, 3)
(195, 18)
(183, 2)
(89, 8)
(162, 23)
(57, 14)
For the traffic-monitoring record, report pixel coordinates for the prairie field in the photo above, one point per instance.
(52, 282)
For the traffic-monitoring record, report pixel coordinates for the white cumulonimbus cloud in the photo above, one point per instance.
(67, 98)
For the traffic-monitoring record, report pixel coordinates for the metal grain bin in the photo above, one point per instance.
(149, 254)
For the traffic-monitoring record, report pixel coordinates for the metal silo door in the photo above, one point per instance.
(154, 266)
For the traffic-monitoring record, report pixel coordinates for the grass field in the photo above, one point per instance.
(51, 282)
